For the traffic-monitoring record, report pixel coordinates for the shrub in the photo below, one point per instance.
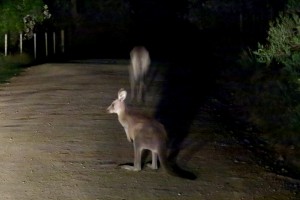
(277, 88)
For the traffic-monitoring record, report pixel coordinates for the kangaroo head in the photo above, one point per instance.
(118, 105)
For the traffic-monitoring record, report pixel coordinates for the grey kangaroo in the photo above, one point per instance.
(138, 68)
(145, 133)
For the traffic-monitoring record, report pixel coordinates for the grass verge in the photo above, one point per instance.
(13, 65)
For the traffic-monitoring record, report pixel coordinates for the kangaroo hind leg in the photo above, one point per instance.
(154, 164)
(137, 166)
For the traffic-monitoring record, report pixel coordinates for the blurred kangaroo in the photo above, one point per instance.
(138, 68)
(145, 133)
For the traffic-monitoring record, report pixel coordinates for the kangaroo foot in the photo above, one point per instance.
(130, 168)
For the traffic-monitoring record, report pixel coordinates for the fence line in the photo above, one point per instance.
(36, 43)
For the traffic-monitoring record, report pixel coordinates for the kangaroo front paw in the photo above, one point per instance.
(130, 168)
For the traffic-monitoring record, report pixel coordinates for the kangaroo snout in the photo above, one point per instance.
(108, 111)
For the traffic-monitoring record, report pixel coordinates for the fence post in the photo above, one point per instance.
(54, 45)
(62, 41)
(21, 43)
(34, 44)
(5, 44)
(46, 43)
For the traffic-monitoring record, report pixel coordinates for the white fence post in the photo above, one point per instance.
(34, 44)
(21, 43)
(54, 40)
(46, 43)
(5, 44)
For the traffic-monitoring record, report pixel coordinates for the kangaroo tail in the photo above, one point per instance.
(177, 171)
(174, 170)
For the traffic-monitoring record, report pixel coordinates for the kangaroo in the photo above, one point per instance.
(138, 68)
(145, 133)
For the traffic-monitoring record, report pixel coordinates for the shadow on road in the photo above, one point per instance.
(188, 81)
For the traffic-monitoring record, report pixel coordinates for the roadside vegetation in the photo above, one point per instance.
(13, 65)
(28, 16)
(260, 101)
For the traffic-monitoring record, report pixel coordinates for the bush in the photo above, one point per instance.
(277, 88)
(271, 92)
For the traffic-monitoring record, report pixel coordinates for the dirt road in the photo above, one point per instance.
(57, 142)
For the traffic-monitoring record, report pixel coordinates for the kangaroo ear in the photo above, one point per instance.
(122, 94)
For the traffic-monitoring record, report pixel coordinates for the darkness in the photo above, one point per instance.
(188, 82)
(109, 29)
